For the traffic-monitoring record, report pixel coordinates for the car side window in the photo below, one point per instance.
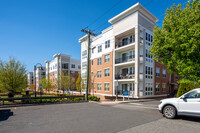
(193, 94)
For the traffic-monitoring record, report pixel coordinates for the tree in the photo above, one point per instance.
(177, 43)
(46, 84)
(32, 87)
(12, 76)
(63, 82)
(186, 86)
(80, 84)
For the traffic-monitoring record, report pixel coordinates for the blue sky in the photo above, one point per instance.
(32, 31)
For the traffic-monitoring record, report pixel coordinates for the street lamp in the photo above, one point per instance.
(35, 67)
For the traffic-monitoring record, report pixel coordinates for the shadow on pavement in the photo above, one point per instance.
(189, 118)
(5, 114)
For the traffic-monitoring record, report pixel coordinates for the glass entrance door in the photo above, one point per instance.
(124, 87)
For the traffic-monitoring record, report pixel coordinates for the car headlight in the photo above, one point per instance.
(160, 102)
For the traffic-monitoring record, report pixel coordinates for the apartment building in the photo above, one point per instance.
(30, 79)
(39, 73)
(120, 59)
(62, 64)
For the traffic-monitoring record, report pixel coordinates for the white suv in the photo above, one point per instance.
(187, 104)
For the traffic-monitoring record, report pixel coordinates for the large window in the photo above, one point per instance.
(73, 66)
(132, 70)
(157, 72)
(164, 73)
(107, 58)
(164, 87)
(148, 89)
(107, 72)
(98, 74)
(107, 44)
(64, 66)
(157, 87)
(99, 48)
(99, 87)
(107, 87)
(149, 72)
(99, 61)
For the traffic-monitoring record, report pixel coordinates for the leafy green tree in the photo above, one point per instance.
(177, 42)
(80, 84)
(63, 82)
(46, 84)
(12, 76)
(185, 86)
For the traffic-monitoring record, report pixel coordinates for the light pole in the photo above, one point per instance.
(35, 67)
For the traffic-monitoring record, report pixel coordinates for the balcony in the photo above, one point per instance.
(126, 59)
(125, 76)
(124, 42)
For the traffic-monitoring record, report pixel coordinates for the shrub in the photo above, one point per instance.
(93, 98)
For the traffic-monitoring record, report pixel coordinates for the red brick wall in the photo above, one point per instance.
(94, 68)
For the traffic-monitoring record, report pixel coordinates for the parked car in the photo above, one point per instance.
(187, 104)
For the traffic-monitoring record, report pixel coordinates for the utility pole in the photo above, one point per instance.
(88, 61)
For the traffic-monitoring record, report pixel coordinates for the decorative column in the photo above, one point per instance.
(137, 56)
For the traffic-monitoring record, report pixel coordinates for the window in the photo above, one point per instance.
(164, 87)
(148, 89)
(107, 44)
(131, 87)
(157, 87)
(99, 61)
(107, 58)
(65, 66)
(99, 87)
(149, 72)
(164, 73)
(98, 74)
(107, 72)
(73, 73)
(91, 74)
(107, 87)
(73, 66)
(92, 62)
(193, 94)
(132, 70)
(99, 48)
(93, 50)
(157, 72)
(79, 66)
(84, 53)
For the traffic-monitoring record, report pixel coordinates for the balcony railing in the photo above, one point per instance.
(125, 76)
(124, 43)
(120, 92)
(126, 59)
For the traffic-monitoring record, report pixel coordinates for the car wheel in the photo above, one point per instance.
(169, 112)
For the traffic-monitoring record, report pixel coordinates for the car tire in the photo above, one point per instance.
(169, 112)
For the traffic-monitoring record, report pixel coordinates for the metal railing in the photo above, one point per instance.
(124, 43)
(126, 59)
(125, 76)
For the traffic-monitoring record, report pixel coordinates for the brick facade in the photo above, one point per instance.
(95, 80)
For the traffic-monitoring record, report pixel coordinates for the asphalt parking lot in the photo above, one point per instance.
(93, 118)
